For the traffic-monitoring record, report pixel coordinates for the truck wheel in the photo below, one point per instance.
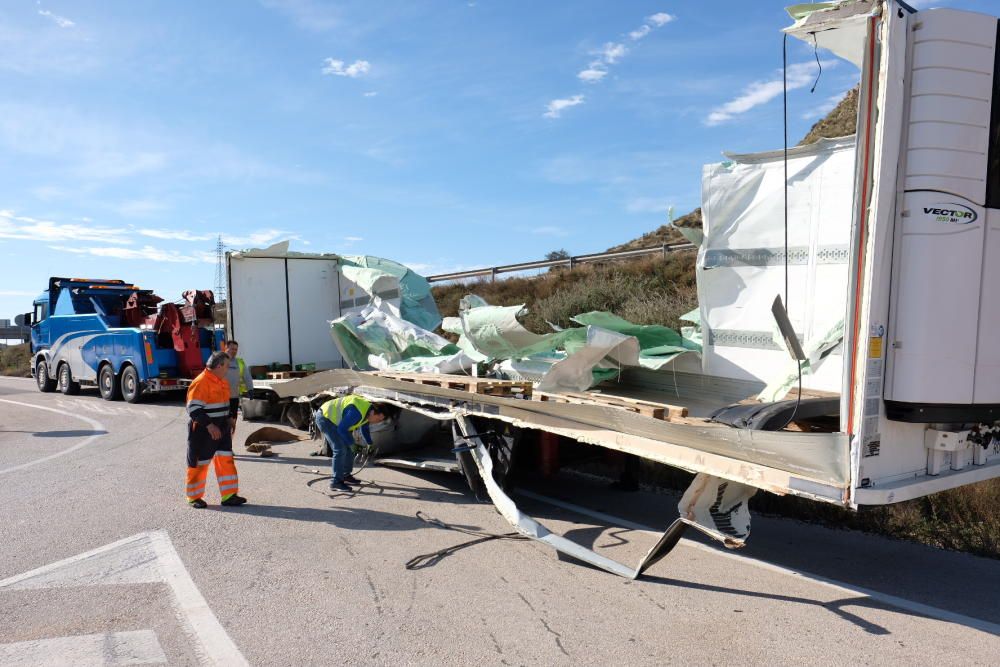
(131, 391)
(108, 384)
(42, 379)
(65, 381)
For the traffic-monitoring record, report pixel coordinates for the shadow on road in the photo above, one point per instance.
(79, 433)
(835, 606)
(348, 517)
(890, 567)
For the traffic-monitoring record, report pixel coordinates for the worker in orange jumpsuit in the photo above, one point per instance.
(210, 435)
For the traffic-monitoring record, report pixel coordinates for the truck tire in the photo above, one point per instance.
(64, 381)
(107, 382)
(130, 388)
(42, 379)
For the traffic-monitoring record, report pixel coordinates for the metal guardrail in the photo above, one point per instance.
(569, 262)
(15, 333)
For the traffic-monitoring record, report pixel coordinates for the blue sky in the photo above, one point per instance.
(442, 134)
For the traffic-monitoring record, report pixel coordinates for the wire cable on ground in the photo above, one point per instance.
(431, 559)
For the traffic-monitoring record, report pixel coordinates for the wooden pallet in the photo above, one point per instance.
(663, 411)
(287, 375)
(473, 385)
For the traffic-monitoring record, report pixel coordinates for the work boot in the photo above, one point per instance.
(351, 479)
(339, 485)
(198, 504)
(234, 500)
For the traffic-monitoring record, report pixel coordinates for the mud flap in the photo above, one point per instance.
(715, 506)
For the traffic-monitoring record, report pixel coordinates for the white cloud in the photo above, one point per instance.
(258, 239)
(757, 93)
(647, 205)
(370, 93)
(555, 107)
(23, 228)
(613, 52)
(592, 74)
(661, 18)
(339, 68)
(145, 253)
(640, 32)
(176, 235)
(60, 21)
(549, 230)
(307, 14)
(140, 208)
(353, 239)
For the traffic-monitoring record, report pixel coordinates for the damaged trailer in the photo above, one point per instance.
(846, 296)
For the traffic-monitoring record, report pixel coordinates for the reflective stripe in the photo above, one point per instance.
(229, 487)
(229, 454)
(225, 478)
(196, 485)
(208, 407)
(203, 464)
(334, 410)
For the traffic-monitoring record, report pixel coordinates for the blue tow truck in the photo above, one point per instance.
(121, 338)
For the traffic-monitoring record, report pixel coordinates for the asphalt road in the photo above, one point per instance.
(102, 562)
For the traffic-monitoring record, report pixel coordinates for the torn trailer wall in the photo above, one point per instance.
(742, 263)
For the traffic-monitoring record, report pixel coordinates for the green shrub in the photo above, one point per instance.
(15, 360)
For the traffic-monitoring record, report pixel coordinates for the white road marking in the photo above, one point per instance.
(144, 558)
(136, 647)
(843, 587)
(96, 425)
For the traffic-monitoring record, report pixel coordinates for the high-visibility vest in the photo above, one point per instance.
(243, 371)
(209, 393)
(334, 410)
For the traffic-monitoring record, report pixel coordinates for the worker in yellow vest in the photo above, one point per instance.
(239, 379)
(337, 420)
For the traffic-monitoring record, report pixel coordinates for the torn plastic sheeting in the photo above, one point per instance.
(376, 339)
(416, 301)
(575, 372)
(495, 332)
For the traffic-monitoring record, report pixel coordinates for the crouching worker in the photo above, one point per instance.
(337, 420)
(210, 436)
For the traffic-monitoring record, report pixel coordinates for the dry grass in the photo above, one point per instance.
(647, 291)
(840, 122)
(15, 360)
